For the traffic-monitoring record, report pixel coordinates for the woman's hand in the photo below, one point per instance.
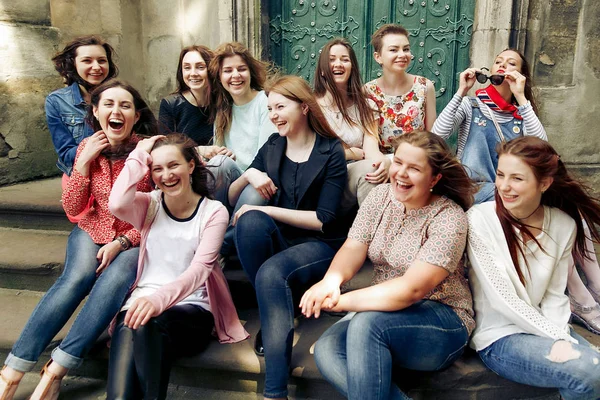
(209, 152)
(94, 146)
(147, 144)
(354, 153)
(261, 182)
(380, 175)
(322, 295)
(467, 80)
(106, 254)
(516, 82)
(245, 208)
(140, 313)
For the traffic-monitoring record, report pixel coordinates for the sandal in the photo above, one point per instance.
(7, 388)
(587, 316)
(49, 385)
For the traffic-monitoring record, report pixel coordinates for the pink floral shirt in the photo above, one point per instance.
(435, 234)
(398, 114)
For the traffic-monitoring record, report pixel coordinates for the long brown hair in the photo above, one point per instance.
(526, 72)
(297, 89)
(207, 55)
(455, 183)
(324, 83)
(64, 61)
(224, 101)
(202, 179)
(565, 193)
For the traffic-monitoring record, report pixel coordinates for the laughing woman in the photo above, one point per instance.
(180, 294)
(102, 250)
(522, 248)
(341, 95)
(418, 312)
(288, 244)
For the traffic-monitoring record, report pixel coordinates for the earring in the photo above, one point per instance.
(191, 179)
(431, 189)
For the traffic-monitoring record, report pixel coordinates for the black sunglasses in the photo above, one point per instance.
(483, 78)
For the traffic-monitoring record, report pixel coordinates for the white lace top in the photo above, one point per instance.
(503, 305)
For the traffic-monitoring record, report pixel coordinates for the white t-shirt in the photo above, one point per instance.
(352, 135)
(170, 247)
(250, 129)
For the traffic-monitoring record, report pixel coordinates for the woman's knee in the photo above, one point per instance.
(253, 222)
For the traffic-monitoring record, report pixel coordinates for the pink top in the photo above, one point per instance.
(140, 210)
(102, 226)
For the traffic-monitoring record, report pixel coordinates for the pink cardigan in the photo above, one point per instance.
(140, 209)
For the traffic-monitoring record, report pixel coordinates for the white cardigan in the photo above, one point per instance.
(503, 305)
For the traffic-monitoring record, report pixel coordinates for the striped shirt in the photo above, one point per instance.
(457, 116)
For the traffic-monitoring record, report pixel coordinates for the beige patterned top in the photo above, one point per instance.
(435, 234)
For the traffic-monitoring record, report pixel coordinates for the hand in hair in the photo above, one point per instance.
(147, 144)
(140, 313)
(96, 143)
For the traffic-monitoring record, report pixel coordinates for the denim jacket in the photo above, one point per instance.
(65, 114)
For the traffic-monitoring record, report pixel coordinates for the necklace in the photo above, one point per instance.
(522, 219)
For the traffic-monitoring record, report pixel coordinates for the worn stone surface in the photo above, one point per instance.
(28, 11)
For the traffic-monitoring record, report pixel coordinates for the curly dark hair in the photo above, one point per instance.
(64, 61)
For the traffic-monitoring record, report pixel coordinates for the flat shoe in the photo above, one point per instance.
(258, 345)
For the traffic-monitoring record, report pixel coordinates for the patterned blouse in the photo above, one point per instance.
(398, 114)
(435, 234)
(98, 222)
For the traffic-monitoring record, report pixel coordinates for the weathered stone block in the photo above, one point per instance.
(36, 12)
(555, 62)
(26, 50)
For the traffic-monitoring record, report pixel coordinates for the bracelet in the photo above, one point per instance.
(124, 242)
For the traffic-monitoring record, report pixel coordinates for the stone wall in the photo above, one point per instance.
(561, 37)
(147, 35)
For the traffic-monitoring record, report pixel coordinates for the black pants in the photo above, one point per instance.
(140, 360)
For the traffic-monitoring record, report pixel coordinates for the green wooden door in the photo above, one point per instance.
(440, 35)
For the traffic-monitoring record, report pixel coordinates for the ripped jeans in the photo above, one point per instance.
(524, 358)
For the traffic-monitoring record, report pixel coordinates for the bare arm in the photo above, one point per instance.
(430, 113)
(302, 219)
(395, 294)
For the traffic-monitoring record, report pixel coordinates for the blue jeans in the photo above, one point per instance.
(226, 171)
(276, 269)
(357, 354)
(523, 358)
(106, 294)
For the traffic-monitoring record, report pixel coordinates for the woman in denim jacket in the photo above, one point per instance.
(84, 63)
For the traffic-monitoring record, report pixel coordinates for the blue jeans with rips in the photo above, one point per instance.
(276, 269)
(524, 358)
(106, 294)
(357, 354)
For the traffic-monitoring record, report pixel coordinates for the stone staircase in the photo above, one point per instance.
(33, 234)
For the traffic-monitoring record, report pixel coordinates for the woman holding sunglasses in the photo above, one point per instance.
(502, 111)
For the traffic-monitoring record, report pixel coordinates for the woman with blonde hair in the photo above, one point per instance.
(288, 244)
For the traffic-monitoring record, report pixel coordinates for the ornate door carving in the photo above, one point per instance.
(440, 35)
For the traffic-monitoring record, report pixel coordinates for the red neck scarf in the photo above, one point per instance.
(490, 97)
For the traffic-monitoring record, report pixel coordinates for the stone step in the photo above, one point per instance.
(235, 368)
(33, 205)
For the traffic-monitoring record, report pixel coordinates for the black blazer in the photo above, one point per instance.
(322, 184)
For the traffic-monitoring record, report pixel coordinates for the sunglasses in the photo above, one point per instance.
(494, 79)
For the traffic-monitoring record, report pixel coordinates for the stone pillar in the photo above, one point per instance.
(27, 43)
(491, 31)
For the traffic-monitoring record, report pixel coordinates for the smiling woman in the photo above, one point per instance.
(180, 293)
(102, 249)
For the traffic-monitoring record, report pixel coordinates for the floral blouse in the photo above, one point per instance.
(398, 114)
(435, 234)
